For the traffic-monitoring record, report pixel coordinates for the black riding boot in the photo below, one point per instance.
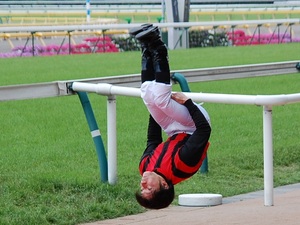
(147, 72)
(159, 53)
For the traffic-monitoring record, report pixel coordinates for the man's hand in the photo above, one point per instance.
(179, 97)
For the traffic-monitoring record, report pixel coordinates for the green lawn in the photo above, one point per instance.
(49, 169)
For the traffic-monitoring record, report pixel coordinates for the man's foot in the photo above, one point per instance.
(148, 35)
(135, 30)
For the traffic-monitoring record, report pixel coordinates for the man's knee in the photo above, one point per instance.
(162, 101)
(146, 92)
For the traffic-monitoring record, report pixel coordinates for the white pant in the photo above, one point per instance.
(170, 115)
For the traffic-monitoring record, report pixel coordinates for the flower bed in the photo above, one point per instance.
(119, 43)
(89, 45)
(239, 38)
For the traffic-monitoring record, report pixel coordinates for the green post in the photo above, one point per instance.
(86, 105)
(160, 19)
(128, 20)
(177, 77)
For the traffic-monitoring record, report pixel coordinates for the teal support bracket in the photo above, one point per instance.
(177, 77)
(102, 159)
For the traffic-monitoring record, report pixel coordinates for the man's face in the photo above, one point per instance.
(150, 183)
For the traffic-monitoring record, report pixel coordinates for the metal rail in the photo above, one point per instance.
(60, 88)
(71, 28)
(267, 101)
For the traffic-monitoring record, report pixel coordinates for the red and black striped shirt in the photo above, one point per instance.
(181, 155)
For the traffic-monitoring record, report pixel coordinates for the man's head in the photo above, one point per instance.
(156, 192)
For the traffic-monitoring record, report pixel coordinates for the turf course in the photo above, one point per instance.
(49, 169)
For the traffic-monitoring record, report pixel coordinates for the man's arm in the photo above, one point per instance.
(193, 149)
(154, 136)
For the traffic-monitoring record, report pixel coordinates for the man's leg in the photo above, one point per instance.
(171, 116)
(150, 37)
(159, 53)
(147, 71)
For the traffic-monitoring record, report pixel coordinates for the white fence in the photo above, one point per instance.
(277, 22)
(289, 26)
(267, 101)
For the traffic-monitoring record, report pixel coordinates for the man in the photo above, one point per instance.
(165, 164)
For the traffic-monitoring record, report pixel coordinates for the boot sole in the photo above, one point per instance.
(148, 34)
(134, 31)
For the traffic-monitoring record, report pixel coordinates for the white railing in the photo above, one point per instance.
(278, 22)
(267, 101)
(288, 25)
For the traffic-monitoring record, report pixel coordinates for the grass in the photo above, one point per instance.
(44, 69)
(49, 169)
